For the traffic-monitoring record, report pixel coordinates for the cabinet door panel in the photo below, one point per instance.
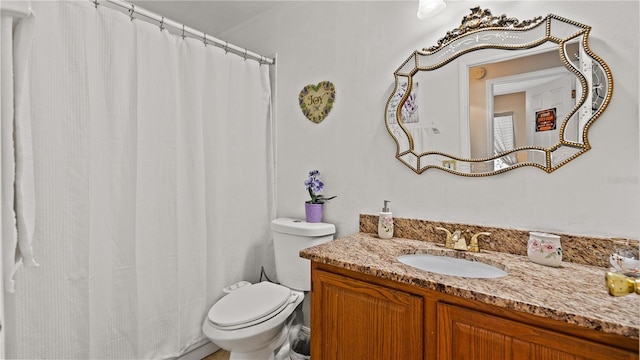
(467, 334)
(352, 319)
(475, 343)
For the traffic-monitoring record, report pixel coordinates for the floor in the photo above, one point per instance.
(218, 355)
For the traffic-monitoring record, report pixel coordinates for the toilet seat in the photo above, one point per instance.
(250, 305)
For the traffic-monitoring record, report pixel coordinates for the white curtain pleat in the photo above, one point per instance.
(17, 158)
(110, 121)
(17, 212)
(151, 184)
(24, 180)
(244, 193)
(7, 161)
(155, 218)
(6, 91)
(191, 189)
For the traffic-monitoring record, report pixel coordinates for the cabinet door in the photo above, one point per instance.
(467, 334)
(351, 319)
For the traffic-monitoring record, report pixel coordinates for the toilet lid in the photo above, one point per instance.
(249, 303)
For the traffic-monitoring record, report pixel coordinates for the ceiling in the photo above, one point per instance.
(212, 17)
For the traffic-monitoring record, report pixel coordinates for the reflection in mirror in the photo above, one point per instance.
(532, 88)
(531, 105)
(504, 139)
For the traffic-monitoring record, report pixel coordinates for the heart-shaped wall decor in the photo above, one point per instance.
(317, 100)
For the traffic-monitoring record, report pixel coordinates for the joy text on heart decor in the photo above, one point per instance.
(317, 100)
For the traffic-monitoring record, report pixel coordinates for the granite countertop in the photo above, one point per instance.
(572, 293)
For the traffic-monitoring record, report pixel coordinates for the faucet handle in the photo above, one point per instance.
(448, 242)
(474, 246)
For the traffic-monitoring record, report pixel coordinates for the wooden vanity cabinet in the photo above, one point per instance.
(352, 319)
(468, 334)
(358, 316)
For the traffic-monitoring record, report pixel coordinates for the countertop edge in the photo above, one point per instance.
(458, 287)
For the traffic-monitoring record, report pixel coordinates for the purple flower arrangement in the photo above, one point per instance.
(315, 186)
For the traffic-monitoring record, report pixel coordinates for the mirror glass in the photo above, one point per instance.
(496, 94)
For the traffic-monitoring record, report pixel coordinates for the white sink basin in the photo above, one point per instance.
(452, 266)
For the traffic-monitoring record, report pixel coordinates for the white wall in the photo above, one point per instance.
(358, 45)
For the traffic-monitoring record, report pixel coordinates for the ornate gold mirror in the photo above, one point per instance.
(497, 93)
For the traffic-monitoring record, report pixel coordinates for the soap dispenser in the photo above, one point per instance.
(385, 223)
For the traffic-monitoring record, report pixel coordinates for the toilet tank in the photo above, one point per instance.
(289, 237)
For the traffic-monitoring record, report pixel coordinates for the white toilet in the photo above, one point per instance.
(253, 320)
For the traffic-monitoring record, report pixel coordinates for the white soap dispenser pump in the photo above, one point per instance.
(385, 223)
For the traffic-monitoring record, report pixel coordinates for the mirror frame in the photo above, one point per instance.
(481, 22)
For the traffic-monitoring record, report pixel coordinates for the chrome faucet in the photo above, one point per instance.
(457, 241)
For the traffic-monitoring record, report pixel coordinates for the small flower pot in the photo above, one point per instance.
(313, 212)
(544, 249)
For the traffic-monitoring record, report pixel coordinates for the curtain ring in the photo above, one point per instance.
(204, 39)
(245, 55)
(95, 2)
(226, 47)
(183, 36)
(131, 11)
(162, 24)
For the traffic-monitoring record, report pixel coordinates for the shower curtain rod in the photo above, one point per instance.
(207, 39)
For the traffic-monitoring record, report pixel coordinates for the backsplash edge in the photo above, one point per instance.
(576, 249)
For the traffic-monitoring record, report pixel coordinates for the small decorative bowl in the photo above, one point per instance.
(623, 258)
(544, 249)
(625, 265)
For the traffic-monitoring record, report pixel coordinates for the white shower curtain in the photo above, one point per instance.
(152, 183)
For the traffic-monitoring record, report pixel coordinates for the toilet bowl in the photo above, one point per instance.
(252, 321)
